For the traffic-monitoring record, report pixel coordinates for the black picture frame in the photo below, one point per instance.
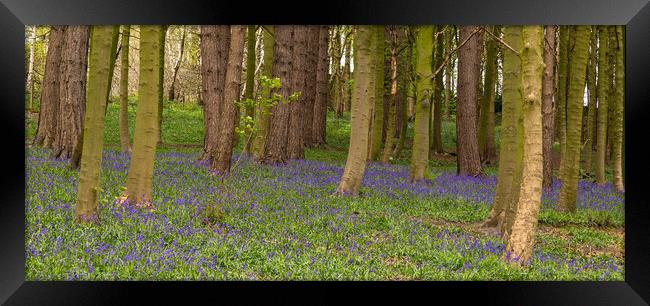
(15, 14)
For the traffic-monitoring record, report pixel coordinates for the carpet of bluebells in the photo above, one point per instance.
(282, 222)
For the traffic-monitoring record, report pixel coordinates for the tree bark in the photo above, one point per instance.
(275, 147)
(364, 90)
(295, 143)
(215, 42)
(250, 80)
(469, 60)
(548, 88)
(571, 163)
(423, 96)
(486, 129)
(311, 80)
(49, 113)
(319, 125)
(30, 69)
(99, 63)
(161, 79)
(377, 123)
(125, 141)
(512, 139)
(263, 111)
(522, 238)
(392, 100)
(72, 91)
(603, 84)
(438, 89)
(587, 146)
(223, 154)
(138, 183)
(618, 105)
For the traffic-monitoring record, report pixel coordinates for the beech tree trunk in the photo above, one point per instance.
(603, 84)
(72, 91)
(423, 97)
(486, 129)
(275, 147)
(438, 89)
(469, 61)
(618, 105)
(125, 141)
(262, 111)
(250, 80)
(138, 182)
(223, 154)
(587, 147)
(99, 63)
(571, 162)
(392, 100)
(548, 87)
(49, 113)
(362, 97)
(522, 238)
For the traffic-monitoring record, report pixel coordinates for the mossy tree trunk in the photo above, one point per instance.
(377, 123)
(438, 89)
(603, 84)
(138, 183)
(99, 63)
(392, 99)
(363, 98)
(548, 88)
(571, 162)
(275, 146)
(511, 148)
(250, 80)
(320, 104)
(522, 237)
(618, 105)
(486, 122)
(562, 90)
(262, 111)
(125, 141)
(48, 117)
(469, 61)
(227, 119)
(423, 97)
(587, 146)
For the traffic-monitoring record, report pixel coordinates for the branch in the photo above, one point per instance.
(500, 41)
(455, 50)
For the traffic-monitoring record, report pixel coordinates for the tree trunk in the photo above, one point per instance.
(346, 91)
(423, 96)
(275, 147)
(30, 69)
(562, 92)
(138, 183)
(250, 79)
(295, 143)
(469, 60)
(548, 88)
(99, 63)
(125, 141)
(223, 154)
(392, 100)
(438, 89)
(364, 90)
(215, 43)
(161, 79)
(172, 94)
(310, 84)
(571, 163)
(618, 104)
(72, 91)
(319, 125)
(377, 123)
(49, 113)
(486, 129)
(262, 111)
(449, 70)
(604, 81)
(522, 238)
(587, 147)
(512, 139)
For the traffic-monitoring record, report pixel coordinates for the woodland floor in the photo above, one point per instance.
(281, 222)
